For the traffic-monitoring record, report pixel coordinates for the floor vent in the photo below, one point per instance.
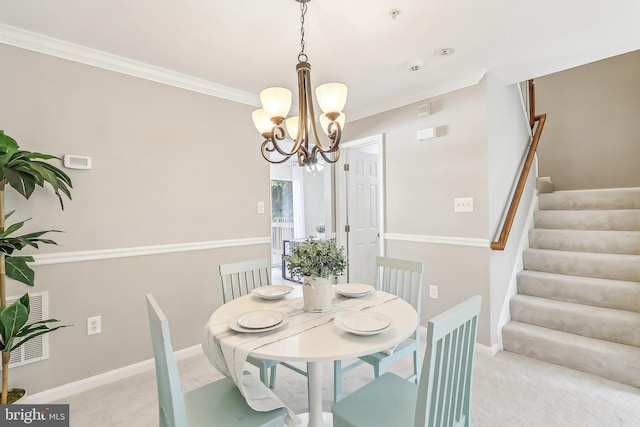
(38, 348)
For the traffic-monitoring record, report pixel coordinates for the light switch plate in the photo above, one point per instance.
(260, 207)
(463, 204)
(433, 291)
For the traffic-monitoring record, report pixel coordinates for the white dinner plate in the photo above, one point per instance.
(260, 319)
(234, 325)
(363, 323)
(354, 290)
(272, 291)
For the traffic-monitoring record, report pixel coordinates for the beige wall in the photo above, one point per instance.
(164, 174)
(591, 137)
(421, 181)
(169, 166)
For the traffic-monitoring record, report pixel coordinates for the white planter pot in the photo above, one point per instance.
(317, 293)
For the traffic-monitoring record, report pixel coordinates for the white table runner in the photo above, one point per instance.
(227, 350)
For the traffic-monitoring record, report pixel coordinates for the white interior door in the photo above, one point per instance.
(360, 207)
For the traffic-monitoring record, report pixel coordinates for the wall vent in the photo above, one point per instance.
(38, 348)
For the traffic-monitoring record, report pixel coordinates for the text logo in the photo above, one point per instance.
(34, 415)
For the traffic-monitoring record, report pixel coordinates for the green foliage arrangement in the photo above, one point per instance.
(316, 258)
(320, 228)
(14, 328)
(23, 171)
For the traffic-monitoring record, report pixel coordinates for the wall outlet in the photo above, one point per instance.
(463, 204)
(433, 291)
(94, 325)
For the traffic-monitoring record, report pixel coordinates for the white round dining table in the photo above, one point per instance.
(326, 342)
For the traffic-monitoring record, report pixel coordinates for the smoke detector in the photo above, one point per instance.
(416, 65)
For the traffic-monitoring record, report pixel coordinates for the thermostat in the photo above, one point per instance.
(73, 161)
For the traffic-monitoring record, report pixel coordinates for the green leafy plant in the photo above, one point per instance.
(23, 171)
(14, 330)
(320, 228)
(316, 258)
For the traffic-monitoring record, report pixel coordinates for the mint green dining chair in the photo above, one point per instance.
(217, 404)
(443, 396)
(404, 279)
(240, 279)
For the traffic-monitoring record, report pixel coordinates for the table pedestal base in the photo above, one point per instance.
(327, 419)
(315, 417)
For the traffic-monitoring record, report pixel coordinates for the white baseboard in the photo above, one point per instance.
(66, 390)
(490, 351)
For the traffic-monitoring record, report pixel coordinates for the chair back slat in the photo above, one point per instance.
(444, 391)
(172, 409)
(240, 278)
(402, 278)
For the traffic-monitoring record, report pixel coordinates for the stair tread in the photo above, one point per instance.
(577, 307)
(587, 219)
(593, 291)
(611, 282)
(610, 198)
(586, 342)
(597, 241)
(608, 324)
(589, 264)
(617, 362)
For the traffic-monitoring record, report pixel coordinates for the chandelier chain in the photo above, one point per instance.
(302, 57)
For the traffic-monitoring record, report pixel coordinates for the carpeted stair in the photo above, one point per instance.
(578, 301)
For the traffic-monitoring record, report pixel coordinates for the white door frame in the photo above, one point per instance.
(341, 209)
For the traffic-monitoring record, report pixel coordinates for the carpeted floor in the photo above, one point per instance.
(508, 391)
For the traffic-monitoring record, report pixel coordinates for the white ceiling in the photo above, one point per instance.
(247, 45)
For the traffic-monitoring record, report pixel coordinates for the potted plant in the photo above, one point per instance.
(320, 231)
(23, 171)
(318, 262)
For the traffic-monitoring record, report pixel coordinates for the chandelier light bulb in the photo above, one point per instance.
(276, 102)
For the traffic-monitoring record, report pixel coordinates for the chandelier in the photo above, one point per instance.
(276, 102)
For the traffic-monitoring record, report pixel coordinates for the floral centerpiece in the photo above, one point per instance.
(318, 262)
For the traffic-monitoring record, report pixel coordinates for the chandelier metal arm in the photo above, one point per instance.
(266, 149)
(307, 109)
(336, 156)
(270, 145)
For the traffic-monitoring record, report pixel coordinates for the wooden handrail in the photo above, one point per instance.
(532, 103)
(515, 201)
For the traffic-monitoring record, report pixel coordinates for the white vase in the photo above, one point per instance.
(317, 293)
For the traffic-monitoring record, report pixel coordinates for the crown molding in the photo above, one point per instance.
(471, 79)
(23, 39)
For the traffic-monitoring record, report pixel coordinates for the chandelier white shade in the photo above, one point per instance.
(276, 103)
(332, 97)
